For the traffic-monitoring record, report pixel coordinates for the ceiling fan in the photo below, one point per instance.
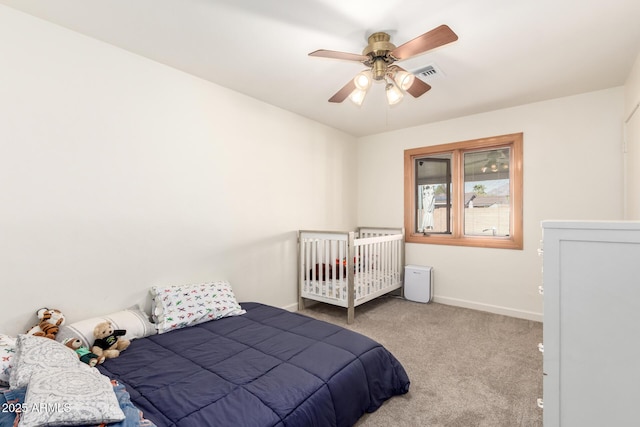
(380, 55)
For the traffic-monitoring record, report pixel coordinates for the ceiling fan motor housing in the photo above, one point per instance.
(378, 50)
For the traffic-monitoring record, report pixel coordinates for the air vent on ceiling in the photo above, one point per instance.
(428, 72)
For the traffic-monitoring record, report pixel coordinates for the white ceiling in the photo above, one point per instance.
(509, 52)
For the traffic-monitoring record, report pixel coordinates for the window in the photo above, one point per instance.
(465, 193)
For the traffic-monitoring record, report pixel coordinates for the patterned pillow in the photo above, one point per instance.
(133, 320)
(7, 351)
(37, 353)
(65, 397)
(175, 307)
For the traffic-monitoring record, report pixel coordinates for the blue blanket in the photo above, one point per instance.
(268, 367)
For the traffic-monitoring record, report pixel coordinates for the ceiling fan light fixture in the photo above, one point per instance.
(394, 94)
(492, 166)
(363, 80)
(403, 79)
(357, 96)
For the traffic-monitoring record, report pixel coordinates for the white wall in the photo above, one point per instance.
(118, 173)
(632, 139)
(572, 170)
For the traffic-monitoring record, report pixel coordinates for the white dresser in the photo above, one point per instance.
(591, 273)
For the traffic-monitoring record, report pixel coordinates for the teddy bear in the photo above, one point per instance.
(107, 340)
(50, 322)
(84, 354)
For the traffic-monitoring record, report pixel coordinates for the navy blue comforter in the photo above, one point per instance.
(268, 367)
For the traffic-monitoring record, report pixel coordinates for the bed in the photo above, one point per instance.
(349, 268)
(267, 367)
(202, 359)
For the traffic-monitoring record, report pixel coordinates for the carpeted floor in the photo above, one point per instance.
(467, 368)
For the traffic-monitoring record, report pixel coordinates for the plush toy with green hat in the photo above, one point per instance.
(84, 354)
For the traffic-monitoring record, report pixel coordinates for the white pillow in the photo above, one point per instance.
(34, 354)
(134, 320)
(175, 307)
(70, 397)
(7, 352)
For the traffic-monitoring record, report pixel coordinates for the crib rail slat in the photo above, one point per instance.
(351, 312)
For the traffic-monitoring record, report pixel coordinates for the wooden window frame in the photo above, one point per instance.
(515, 238)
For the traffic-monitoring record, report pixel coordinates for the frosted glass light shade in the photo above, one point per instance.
(404, 79)
(394, 95)
(363, 80)
(357, 96)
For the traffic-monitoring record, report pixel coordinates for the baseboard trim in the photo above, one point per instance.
(291, 307)
(496, 309)
(505, 311)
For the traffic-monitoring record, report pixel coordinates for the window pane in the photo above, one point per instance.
(487, 193)
(477, 193)
(433, 194)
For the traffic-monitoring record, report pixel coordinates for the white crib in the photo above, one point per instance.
(349, 268)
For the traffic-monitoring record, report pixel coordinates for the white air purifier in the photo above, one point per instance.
(418, 283)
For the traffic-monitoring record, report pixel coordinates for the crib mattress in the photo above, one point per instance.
(365, 283)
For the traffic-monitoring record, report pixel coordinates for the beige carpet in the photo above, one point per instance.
(467, 368)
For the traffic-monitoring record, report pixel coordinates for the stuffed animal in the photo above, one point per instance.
(50, 322)
(107, 342)
(84, 354)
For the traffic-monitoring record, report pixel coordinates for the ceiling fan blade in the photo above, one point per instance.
(418, 88)
(430, 40)
(323, 53)
(343, 93)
